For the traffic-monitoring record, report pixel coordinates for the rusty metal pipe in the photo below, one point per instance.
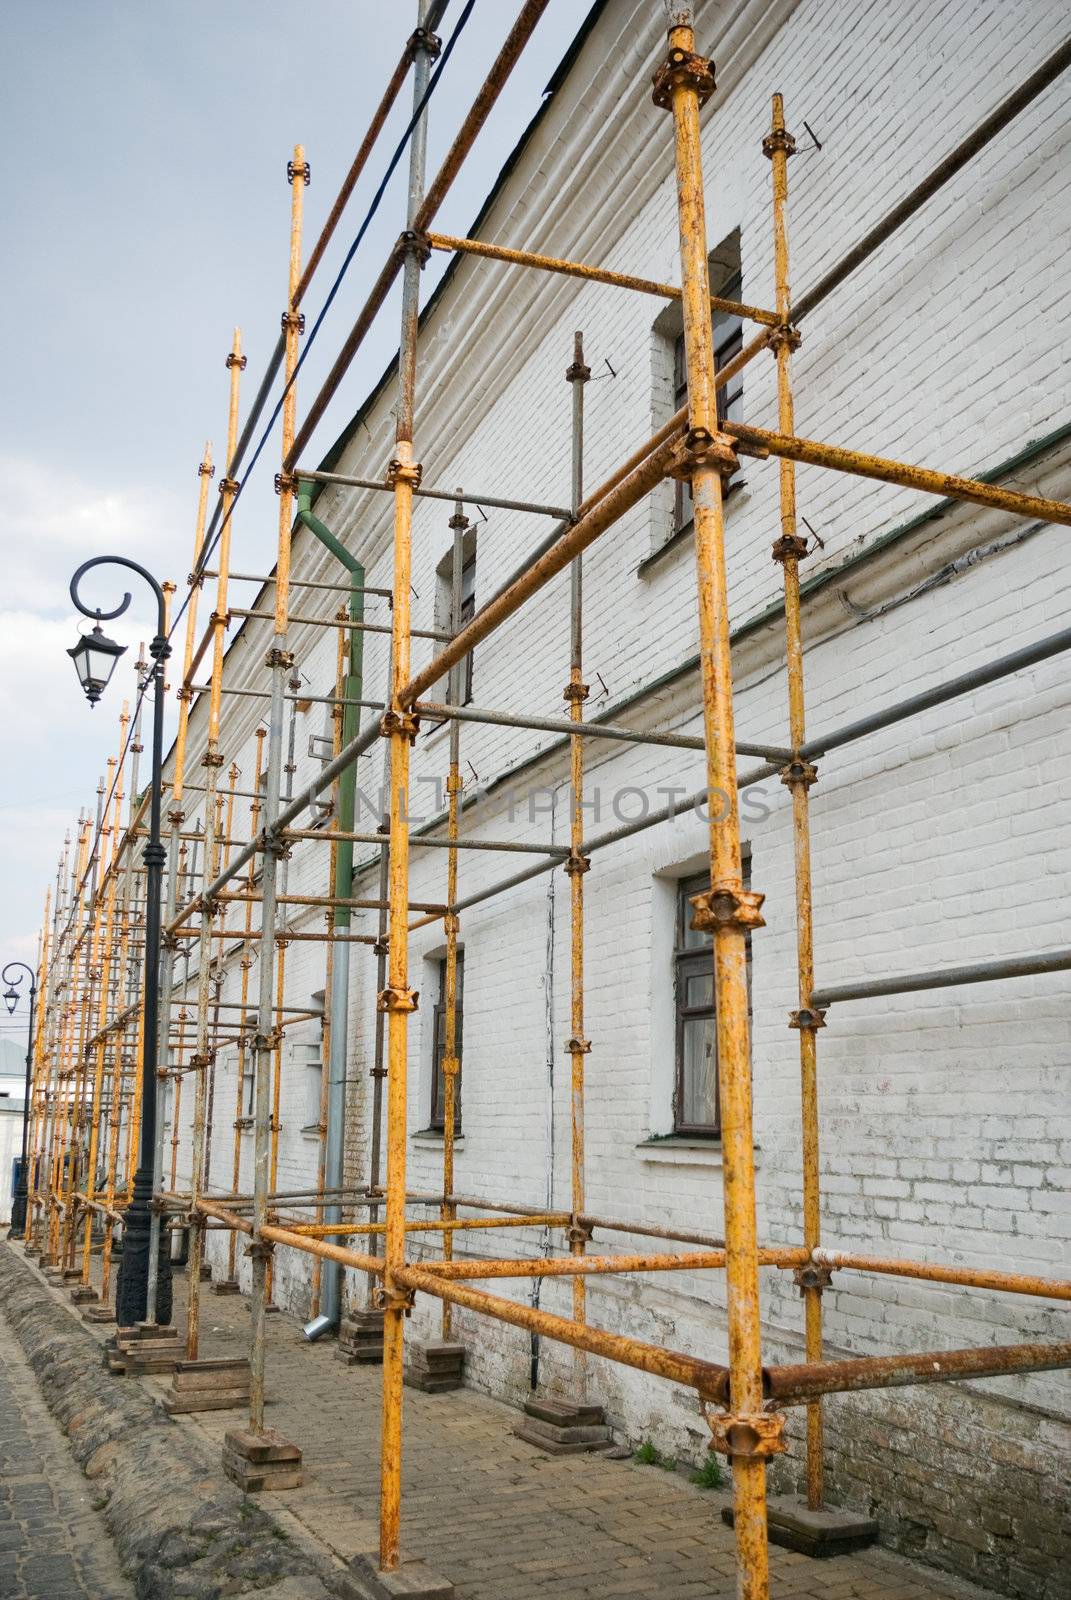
(584, 1266)
(789, 1385)
(579, 269)
(933, 1272)
(587, 730)
(466, 497)
(945, 978)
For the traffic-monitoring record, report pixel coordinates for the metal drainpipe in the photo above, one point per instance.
(338, 1000)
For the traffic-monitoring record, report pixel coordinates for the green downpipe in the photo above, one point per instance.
(347, 783)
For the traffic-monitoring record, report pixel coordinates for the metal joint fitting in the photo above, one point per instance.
(577, 373)
(267, 1041)
(578, 1233)
(304, 172)
(577, 864)
(698, 449)
(285, 483)
(176, 817)
(403, 722)
(415, 244)
(451, 922)
(282, 941)
(451, 1066)
(409, 472)
(293, 319)
(200, 1059)
(203, 470)
(241, 362)
(380, 948)
(402, 1300)
(212, 758)
(454, 783)
(785, 334)
(459, 520)
(682, 69)
(576, 691)
(424, 39)
(182, 694)
(724, 906)
(754, 1438)
(797, 771)
(279, 658)
(807, 1017)
(778, 139)
(812, 1277)
(260, 1250)
(228, 486)
(578, 1047)
(790, 547)
(391, 999)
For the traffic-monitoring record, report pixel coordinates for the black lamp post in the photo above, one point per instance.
(95, 657)
(11, 1000)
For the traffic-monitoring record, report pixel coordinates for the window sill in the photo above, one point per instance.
(681, 1150)
(434, 1137)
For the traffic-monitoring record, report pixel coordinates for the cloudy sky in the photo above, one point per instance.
(147, 149)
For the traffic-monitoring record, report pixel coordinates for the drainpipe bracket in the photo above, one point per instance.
(682, 69)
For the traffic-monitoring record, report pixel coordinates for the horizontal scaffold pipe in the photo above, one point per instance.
(934, 1272)
(321, 1248)
(426, 841)
(587, 730)
(478, 113)
(944, 978)
(946, 484)
(711, 1380)
(338, 622)
(951, 689)
(581, 1266)
(583, 533)
(466, 497)
(791, 1385)
(327, 1230)
(580, 269)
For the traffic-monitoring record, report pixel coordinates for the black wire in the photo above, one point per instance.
(214, 536)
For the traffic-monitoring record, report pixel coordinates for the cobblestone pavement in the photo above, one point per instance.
(495, 1515)
(53, 1545)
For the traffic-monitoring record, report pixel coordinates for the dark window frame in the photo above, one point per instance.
(696, 961)
(728, 331)
(438, 1085)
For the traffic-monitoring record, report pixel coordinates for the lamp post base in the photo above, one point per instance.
(132, 1284)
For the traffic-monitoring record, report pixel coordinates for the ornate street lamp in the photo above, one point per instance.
(94, 658)
(11, 1000)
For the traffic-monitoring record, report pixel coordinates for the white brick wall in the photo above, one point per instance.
(945, 1126)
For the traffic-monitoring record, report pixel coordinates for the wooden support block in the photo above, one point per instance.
(563, 1428)
(411, 1580)
(217, 1384)
(435, 1367)
(257, 1461)
(226, 1286)
(360, 1337)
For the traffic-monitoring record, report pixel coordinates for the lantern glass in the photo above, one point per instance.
(11, 1000)
(94, 657)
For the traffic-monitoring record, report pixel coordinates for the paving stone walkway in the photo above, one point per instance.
(496, 1516)
(53, 1544)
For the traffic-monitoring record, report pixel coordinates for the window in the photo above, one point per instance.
(311, 1059)
(444, 580)
(438, 1086)
(695, 1095)
(728, 342)
(247, 1060)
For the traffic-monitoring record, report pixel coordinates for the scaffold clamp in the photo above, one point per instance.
(807, 1017)
(725, 905)
(812, 1276)
(754, 1438)
(682, 69)
(391, 999)
(409, 472)
(778, 139)
(700, 448)
(403, 722)
(797, 771)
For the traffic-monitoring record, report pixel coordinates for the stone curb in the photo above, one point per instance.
(182, 1532)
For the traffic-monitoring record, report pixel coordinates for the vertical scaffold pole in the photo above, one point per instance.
(100, 1044)
(399, 724)
(575, 693)
(280, 661)
(39, 1090)
(451, 922)
(789, 549)
(94, 925)
(728, 911)
(243, 1036)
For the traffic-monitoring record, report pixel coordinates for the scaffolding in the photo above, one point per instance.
(228, 898)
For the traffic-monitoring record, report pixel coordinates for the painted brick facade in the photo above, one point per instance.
(945, 1115)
